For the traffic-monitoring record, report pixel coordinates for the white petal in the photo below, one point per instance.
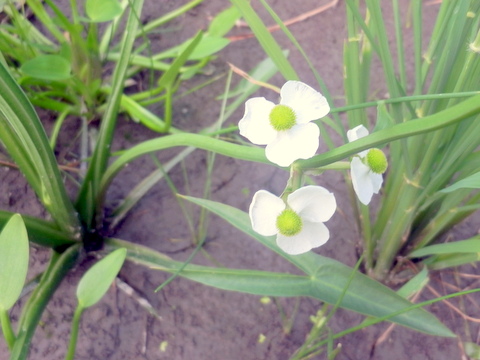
(361, 180)
(311, 236)
(307, 103)
(318, 233)
(294, 245)
(264, 210)
(313, 203)
(377, 180)
(357, 133)
(255, 124)
(300, 142)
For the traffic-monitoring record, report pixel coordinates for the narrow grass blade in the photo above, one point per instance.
(469, 246)
(90, 186)
(41, 232)
(414, 285)
(266, 40)
(24, 138)
(470, 182)
(199, 141)
(410, 128)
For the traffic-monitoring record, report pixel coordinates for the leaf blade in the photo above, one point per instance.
(96, 281)
(328, 278)
(14, 254)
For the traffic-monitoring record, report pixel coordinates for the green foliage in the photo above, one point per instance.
(13, 261)
(47, 67)
(470, 182)
(326, 280)
(223, 22)
(96, 281)
(26, 141)
(101, 11)
(61, 68)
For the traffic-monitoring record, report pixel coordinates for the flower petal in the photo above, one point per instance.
(312, 235)
(361, 180)
(307, 103)
(264, 210)
(318, 233)
(255, 124)
(300, 142)
(356, 133)
(377, 180)
(313, 203)
(294, 245)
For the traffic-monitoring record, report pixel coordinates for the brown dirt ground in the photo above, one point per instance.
(199, 322)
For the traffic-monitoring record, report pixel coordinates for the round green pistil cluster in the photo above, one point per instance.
(377, 161)
(289, 223)
(282, 117)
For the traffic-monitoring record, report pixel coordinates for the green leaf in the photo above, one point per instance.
(223, 22)
(470, 182)
(266, 40)
(168, 78)
(472, 350)
(13, 261)
(446, 261)
(86, 205)
(464, 246)
(208, 46)
(104, 10)
(141, 114)
(326, 280)
(47, 67)
(322, 286)
(96, 281)
(42, 232)
(384, 119)
(415, 284)
(24, 137)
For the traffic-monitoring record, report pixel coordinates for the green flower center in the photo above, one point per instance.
(376, 161)
(282, 117)
(289, 223)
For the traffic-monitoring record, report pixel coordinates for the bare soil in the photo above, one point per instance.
(195, 321)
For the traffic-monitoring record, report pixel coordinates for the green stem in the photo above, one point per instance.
(399, 41)
(418, 33)
(74, 333)
(74, 9)
(198, 141)
(430, 123)
(89, 190)
(404, 99)
(167, 17)
(57, 269)
(7, 330)
(367, 236)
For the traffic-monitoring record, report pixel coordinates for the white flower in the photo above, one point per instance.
(298, 223)
(286, 128)
(366, 168)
